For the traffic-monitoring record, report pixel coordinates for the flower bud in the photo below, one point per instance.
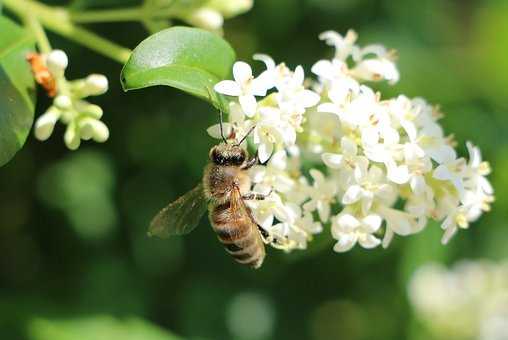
(206, 18)
(96, 84)
(230, 8)
(85, 108)
(71, 137)
(100, 131)
(63, 102)
(86, 128)
(45, 124)
(376, 70)
(57, 62)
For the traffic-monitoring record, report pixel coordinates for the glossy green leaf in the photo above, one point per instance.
(17, 100)
(96, 327)
(189, 59)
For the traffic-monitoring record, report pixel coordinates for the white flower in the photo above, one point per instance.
(266, 211)
(368, 183)
(348, 230)
(475, 293)
(376, 69)
(385, 159)
(245, 87)
(322, 194)
(453, 169)
(477, 172)
(344, 46)
(398, 222)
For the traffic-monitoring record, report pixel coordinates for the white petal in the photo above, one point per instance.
(372, 223)
(265, 151)
(348, 222)
(265, 58)
(298, 76)
(398, 174)
(450, 231)
(332, 160)
(442, 173)
(323, 211)
(228, 87)
(370, 137)
(346, 242)
(352, 195)
(443, 154)
(417, 184)
(214, 130)
(310, 98)
(348, 146)
(317, 176)
(329, 107)
(259, 86)
(369, 241)
(387, 239)
(322, 68)
(242, 72)
(249, 105)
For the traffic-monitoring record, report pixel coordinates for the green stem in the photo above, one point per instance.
(58, 20)
(110, 15)
(38, 32)
(141, 13)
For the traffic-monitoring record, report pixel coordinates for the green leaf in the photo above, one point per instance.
(189, 59)
(96, 327)
(17, 99)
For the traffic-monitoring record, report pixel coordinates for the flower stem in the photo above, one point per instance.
(40, 35)
(109, 15)
(57, 19)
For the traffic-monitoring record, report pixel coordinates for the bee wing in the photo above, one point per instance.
(181, 216)
(238, 206)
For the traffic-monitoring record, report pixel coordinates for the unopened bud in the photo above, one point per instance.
(92, 128)
(206, 18)
(87, 109)
(63, 102)
(100, 131)
(96, 84)
(230, 8)
(71, 137)
(86, 128)
(57, 62)
(45, 124)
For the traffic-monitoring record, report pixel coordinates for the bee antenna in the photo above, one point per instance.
(221, 128)
(246, 135)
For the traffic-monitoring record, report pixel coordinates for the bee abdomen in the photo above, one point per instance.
(238, 235)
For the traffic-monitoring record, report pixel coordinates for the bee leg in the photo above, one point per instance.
(255, 196)
(265, 235)
(251, 162)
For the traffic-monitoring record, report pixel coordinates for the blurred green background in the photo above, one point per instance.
(75, 261)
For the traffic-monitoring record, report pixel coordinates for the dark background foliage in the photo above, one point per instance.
(74, 255)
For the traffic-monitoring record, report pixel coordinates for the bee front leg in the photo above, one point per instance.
(265, 235)
(250, 162)
(255, 196)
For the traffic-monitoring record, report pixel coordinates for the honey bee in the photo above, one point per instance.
(41, 73)
(224, 189)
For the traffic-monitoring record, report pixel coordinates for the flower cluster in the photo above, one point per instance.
(81, 117)
(470, 301)
(377, 167)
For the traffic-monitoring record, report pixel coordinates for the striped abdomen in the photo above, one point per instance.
(239, 235)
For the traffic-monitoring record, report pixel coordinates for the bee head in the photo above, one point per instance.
(228, 154)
